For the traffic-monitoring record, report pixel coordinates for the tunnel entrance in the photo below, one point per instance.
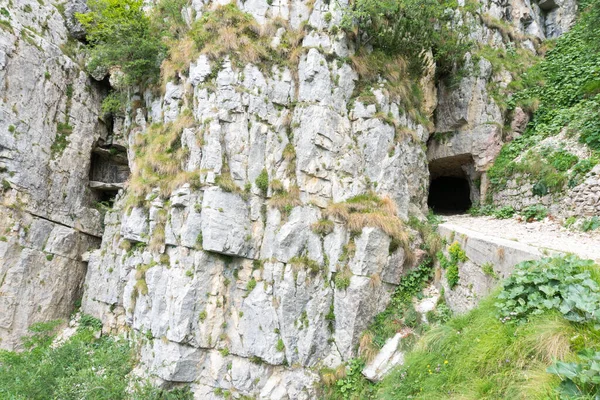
(449, 195)
(452, 188)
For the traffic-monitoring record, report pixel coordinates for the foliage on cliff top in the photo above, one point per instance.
(120, 35)
(83, 367)
(409, 28)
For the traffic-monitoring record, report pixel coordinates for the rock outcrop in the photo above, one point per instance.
(49, 122)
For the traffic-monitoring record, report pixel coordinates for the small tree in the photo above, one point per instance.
(119, 35)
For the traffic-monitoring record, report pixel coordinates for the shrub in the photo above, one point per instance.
(457, 255)
(120, 36)
(323, 227)
(534, 213)
(590, 224)
(83, 367)
(504, 212)
(342, 279)
(262, 181)
(251, 285)
(87, 321)
(561, 283)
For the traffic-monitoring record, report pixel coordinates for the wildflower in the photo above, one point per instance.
(445, 361)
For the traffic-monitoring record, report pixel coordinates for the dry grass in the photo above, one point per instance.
(284, 201)
(375, 281)
(552, 340)
(400, 85)
(159, 159)
(331, 376)
(367, 348)
(276, 186)
(157, 241)
(227, 31)
(180, 55)
(508, 32)
(226, 182)
(370, 210)
(323, 227)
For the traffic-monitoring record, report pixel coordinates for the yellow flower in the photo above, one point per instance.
(445, 361)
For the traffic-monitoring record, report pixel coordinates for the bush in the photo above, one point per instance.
(407, 27)
(262, 181)
(590, 224)
(561, 283)
(120, 36)
(83, 367)
(534, 213)
(457, 255)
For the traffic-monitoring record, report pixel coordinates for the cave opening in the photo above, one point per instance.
(109, 170)
(451, 186)
(449, 195)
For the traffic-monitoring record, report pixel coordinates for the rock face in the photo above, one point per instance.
(469, 122)
(225, 277)
(229, 279)
(48, 125)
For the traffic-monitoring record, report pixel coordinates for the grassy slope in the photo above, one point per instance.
(476, 356)
(563, 90)
(84, 367)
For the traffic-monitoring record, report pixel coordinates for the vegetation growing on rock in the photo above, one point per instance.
(85, 366)
(562, 91)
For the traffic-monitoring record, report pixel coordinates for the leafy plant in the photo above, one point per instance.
(562, 92)
(457, 255)
(504, 212)
(354, 382)
(83, 367)
(262, 181)
(560, 283)
(579, 379)
(590, 224)
(534, 213)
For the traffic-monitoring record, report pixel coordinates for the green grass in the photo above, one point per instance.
(84, 367)
(477, 356)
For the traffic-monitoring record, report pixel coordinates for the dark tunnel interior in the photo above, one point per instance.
(449, 195)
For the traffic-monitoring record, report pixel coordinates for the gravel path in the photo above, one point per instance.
(545, 234)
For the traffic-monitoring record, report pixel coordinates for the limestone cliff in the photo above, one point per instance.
(261, 259)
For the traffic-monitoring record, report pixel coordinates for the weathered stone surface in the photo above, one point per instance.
(480, 249)
(46, 202)
(388, 357)
(226, 225)
(72, 8)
